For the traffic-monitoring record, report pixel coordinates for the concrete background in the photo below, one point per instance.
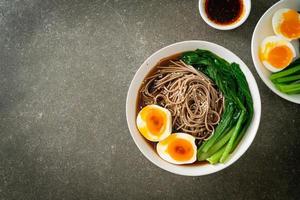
(65, 67)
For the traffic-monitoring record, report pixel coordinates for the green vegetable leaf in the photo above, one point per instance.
(238, 112)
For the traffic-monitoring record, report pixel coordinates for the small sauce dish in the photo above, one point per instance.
(224, 15)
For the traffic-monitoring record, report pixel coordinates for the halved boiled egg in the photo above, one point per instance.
(178, 148)
(276, 53)
(286, 23)
(154, 123)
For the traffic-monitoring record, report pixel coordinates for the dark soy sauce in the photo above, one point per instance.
(224, 12)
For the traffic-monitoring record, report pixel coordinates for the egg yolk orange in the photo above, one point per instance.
(280, 56)
(155, 120)
(290, 26)
(180, 149)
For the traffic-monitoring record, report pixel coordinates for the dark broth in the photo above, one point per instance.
(163, 62)
(140, 103)
(224, 12)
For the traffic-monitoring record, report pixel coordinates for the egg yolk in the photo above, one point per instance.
(180, 149)
(290, 26)
(280, 56)
(155, 120)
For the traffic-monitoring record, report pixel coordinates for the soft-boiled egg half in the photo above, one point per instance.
(276, 53)
(154, 123)
(178, 148)
(286, 23)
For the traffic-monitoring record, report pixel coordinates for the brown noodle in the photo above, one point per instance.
(191, 97)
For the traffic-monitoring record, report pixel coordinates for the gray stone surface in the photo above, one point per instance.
(65, 67)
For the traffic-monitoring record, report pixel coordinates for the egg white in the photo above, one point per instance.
(162, 149)
(277, 20)
(141, 124)
(278, 41)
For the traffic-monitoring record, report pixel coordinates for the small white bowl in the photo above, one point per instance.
(240, 21)
(140, 141)
(262, 30)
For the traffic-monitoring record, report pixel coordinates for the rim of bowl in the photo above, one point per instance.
(244, 17)
(176, 169)
(260, 73)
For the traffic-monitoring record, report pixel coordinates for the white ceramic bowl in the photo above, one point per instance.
(245, 14)
(149, 152)
(263, 29)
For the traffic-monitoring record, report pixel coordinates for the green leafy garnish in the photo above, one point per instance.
(238, 111)
(288, 80)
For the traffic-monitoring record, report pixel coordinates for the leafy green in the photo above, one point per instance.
(238, 103)
(288, 80)
(216, 157)
(216, 146)
(286, 72)
(289, 88)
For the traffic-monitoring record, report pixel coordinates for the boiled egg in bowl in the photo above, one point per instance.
(178, 148)
(276, 53)
(286, 23)
(154, 123)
